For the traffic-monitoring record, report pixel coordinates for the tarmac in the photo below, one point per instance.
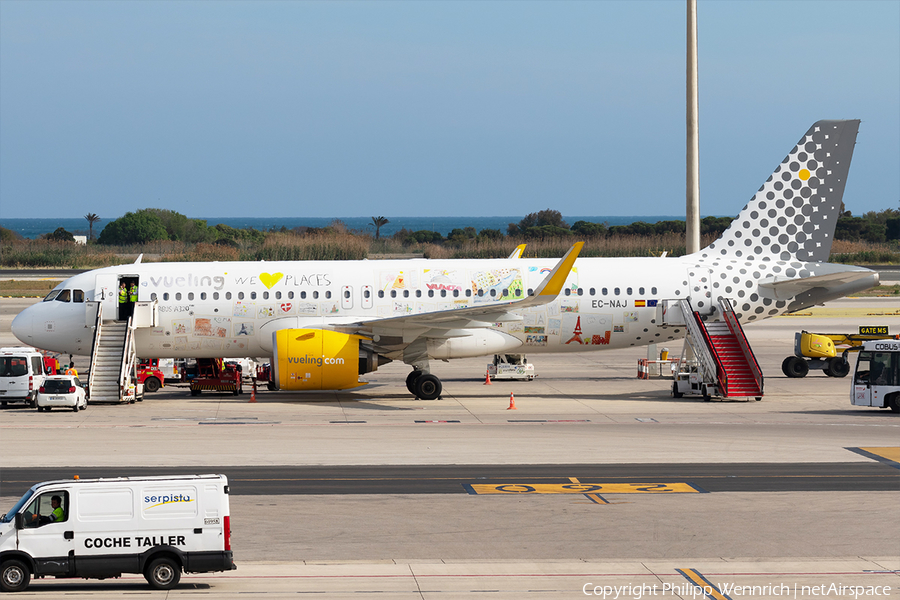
(584, 413)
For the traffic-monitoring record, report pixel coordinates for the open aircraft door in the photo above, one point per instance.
(106, 290)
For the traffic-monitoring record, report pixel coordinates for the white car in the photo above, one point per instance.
(63, 391)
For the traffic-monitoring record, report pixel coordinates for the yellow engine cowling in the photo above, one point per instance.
(315, 359)
(816, 346)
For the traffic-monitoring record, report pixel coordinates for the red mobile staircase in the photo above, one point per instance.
(729, 366)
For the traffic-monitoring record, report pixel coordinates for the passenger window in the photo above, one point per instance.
(240, 295)
(203, 295)
(253, 295)
(303, 295)
(315, 295)
(153, 296)
(493, 293)
(581, 291)
(166, 296)
(653, 291)
(265, 295)
(228, 295)
(616, 291)
(628, 292)
(443, 293)
(592, 291)
(178, 295)
(290, 295)
(605, 292)
(641, 291)
(49, 507)
(346, 293)
(367, 294)
(77, 296)
(568, 292)
(328, 294)
(480, 293)
(518, 292)
(190, 295)
(63, 296)
(278, 295)
(215, 295)
(406, 293)
(381, 293)
(456, 293)
(431, 293)
(393, 293)
(418, 293)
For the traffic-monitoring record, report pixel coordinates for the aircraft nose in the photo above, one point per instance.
(23, 327)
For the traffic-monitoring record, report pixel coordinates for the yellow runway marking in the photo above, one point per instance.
(852, 311)
(888, 452)
(704, 585)
(582, 488)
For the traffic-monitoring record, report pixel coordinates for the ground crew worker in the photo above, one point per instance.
(72, 370)
(123, 295)
(132, 293)
(58, 514)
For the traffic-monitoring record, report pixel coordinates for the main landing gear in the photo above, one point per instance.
(423, 385)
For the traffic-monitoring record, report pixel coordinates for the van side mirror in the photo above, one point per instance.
(20, 521)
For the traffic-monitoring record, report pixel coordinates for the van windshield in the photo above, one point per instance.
(13, 366)
(8, 517)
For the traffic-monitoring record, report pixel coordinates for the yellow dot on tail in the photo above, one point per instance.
(804, 174)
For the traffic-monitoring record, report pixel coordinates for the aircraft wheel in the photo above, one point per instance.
(675, 392)
(411, 380)
(837, 367)
(795, 367)
(428, 387)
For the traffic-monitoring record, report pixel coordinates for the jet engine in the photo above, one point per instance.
(318, 359)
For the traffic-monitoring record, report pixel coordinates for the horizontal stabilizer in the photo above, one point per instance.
(779, 288)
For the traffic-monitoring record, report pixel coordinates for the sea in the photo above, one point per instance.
(34, 228)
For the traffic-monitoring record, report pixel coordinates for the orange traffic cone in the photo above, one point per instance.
(253, 392)
(512, 402)
(487, 378)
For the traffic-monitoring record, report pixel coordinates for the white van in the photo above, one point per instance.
(21, 374)
(101, 528)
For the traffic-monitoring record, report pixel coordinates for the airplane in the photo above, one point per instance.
(325, 323)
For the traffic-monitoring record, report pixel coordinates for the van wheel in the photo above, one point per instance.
(14, 576)
(163, 573)
(75, 408)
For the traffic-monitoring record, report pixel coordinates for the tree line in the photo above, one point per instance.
(154, 224)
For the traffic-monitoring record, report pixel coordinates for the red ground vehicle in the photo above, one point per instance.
(51, 365)
(149, 374)
(215, 375)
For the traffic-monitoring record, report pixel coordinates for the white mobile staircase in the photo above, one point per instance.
(112, 360)
(726, 363)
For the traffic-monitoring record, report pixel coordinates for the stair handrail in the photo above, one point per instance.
(738, 332)
(721, 373)
(95, 346)
(708, 360)
(127, 356)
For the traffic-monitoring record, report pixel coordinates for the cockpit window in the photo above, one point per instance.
(77, 295)
(64, 296)
(52, 295)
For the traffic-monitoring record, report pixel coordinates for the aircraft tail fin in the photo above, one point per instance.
(793, 215)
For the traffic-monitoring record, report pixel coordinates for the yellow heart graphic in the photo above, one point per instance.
(269, 280)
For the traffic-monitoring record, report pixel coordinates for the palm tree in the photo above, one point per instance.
(91, 219)
(378, 222)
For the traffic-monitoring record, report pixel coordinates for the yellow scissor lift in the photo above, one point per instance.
(828, 351)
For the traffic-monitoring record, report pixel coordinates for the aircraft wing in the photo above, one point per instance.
(785, 288)
(476, 316)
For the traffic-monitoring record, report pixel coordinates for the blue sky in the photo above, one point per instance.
(342, 109)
